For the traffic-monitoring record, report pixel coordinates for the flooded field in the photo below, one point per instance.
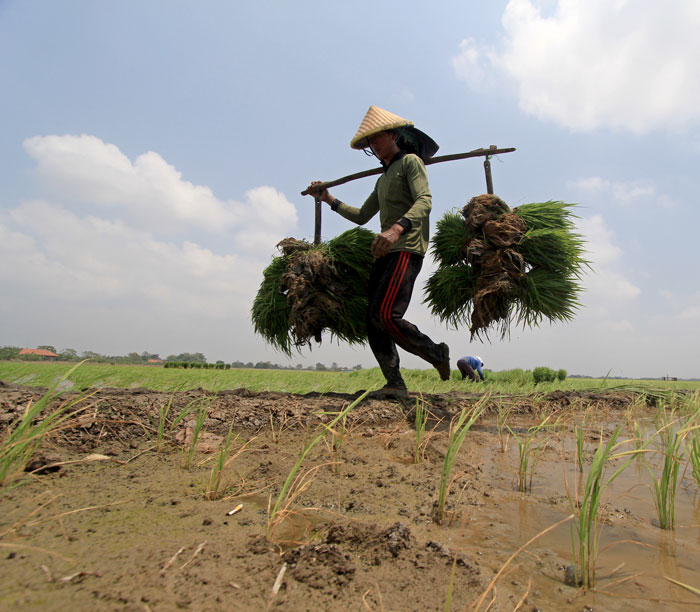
(122, 512)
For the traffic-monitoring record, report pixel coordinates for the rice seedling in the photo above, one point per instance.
(579, 432)
(287, 517)
(501, 423)
(284, 494)
(585, 532)
(421, 421)
(21, 441)
(665, 485)
(459, 427)
(188, 451)
(163, 412)
(335, 445)
(165, 427)
(695, 457)
(529, 453)
(222, 460)
(276, 431)
(495, 265)
(638, 435)
(212, 490)
(311, 288)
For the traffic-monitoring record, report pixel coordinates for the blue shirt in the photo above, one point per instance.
(474, 363)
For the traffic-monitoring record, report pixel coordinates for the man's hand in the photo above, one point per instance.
(384, 241)
(324, 195)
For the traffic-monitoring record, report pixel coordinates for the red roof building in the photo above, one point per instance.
(38, 352)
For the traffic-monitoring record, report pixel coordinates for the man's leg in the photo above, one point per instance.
(389, 299)
(381, 343)
(462, 367)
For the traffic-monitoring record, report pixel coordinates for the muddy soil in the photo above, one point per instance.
(113, 518)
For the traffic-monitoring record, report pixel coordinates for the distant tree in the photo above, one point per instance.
(238, 364)
(68, 354)
(334, 367)
(91, 355)
(9, 352)
(47, 347)
(250, 365)
(188, 357)
(357, 367)
(320, 366)
(299, 366)
(219, 362)
(561, 375)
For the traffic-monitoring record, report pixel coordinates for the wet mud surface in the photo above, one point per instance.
(116, 516)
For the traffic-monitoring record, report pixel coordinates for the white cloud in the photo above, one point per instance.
(692, 311)
(119, 250)
(599, 240)
(605, 285)
(689, 314)
(624, 192)
(474, 64)
(152, 194)
(55, 255)
(591, 184)
(628, 192)
(599, 63)
(623, 326)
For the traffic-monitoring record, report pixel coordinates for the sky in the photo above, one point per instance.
(152, 155)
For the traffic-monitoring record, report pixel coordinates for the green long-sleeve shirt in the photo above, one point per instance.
(402, 191)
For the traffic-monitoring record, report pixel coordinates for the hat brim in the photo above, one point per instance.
(426, 145)
(362, 141)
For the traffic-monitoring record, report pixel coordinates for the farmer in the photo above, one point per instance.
(468, 364)
(402, 198)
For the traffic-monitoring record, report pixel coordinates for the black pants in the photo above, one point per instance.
(466, 369)
(390, 287)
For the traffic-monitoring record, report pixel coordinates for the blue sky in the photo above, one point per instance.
(153, 154)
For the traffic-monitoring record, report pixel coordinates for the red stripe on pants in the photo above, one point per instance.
(390, 296)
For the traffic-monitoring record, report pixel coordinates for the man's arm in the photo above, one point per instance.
(351, 213)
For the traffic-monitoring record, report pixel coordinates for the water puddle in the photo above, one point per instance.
(636, 559)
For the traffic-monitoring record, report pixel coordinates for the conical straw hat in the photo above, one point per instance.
(376, 120)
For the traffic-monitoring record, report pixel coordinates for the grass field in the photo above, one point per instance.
(293, 381)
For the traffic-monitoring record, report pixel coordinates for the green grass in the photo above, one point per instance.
(297, 381)
(19, 442)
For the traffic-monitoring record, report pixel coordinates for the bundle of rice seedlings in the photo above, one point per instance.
(311, 288)
(496, 265)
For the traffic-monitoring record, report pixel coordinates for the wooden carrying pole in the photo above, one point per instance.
(487, 153)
